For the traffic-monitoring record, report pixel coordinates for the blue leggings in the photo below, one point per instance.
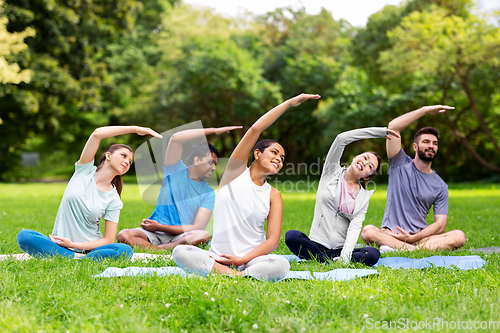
(301, 245)
(40, 246)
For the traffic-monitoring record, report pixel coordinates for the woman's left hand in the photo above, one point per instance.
(392, 133)
(61, 241)
(227, 259)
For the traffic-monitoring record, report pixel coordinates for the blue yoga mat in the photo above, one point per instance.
(342, 274)
(461, 262)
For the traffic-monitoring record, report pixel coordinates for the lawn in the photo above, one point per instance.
(61, 295)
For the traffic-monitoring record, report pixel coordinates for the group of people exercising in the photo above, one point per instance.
(240, 245)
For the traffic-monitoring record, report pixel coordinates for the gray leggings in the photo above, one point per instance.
(192, 259)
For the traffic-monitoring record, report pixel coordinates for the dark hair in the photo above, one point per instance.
(426, 130)
(117, 181)
(200, 150)
(261, 146)
(374, 173)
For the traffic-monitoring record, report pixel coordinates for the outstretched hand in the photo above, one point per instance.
(226, 129)
(436, 109)
(391, 133)
(297, 100)
(146, 131)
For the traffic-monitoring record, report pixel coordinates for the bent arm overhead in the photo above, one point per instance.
(174, 148)
(332, 161)
(90, 149)
(239, 158)
(400, 123)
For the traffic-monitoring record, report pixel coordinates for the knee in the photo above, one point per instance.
(123, 236)
(368, 233)
(372, 257)
(191, 260)
(124, 250)
(459, 238)
(291, 237)
(24, 237)
(199, 237)
(180, 254)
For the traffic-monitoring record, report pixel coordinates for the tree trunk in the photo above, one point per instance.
(473, 103)
(469, 147)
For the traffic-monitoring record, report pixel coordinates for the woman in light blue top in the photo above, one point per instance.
(92, 193)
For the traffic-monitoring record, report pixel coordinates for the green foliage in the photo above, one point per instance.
(163, 63)
(71, 75)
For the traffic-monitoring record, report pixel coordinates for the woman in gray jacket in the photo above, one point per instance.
(341, 204)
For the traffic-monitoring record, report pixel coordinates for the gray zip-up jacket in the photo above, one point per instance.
(330, 227)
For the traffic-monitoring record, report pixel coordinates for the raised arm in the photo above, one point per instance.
(90, 149)
(400, 123)
(174, 148)
(239, 158)
(332, 161)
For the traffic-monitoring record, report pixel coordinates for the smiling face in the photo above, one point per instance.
(205, 166)
(272, 158)
(364, 165)
(426, 147)
(120, 160)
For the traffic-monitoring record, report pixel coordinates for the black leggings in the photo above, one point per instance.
(301, 245)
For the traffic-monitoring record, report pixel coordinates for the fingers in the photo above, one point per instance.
(393, 133)
(153, 133)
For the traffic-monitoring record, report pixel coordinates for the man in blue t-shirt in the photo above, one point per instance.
(414, 187)
(186, 201)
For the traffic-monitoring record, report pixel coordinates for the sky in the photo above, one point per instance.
(355, 12)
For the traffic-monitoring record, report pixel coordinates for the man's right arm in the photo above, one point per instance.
(400, 123)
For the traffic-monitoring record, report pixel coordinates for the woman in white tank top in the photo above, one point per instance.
(243, 203)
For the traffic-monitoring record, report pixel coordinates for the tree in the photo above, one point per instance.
(455, 54)
(65, 97)
(12, 43)
(302, 53)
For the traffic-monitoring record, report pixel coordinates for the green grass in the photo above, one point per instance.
(59, 295)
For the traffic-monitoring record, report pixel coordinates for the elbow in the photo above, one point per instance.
(391, 125)
(174, 137)
(255, 129)
(98, 133)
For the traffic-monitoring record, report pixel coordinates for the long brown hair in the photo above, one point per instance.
(117, 181)
(362, 181)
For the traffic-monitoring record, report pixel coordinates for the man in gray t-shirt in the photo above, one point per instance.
(413, 188)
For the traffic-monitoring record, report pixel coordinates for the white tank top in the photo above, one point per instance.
(241, 209)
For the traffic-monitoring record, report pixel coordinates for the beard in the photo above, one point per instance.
(422, 155)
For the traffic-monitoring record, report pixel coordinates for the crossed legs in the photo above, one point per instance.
(446, 241)
(135, 237)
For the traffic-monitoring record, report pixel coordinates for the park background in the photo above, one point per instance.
(67, 67)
